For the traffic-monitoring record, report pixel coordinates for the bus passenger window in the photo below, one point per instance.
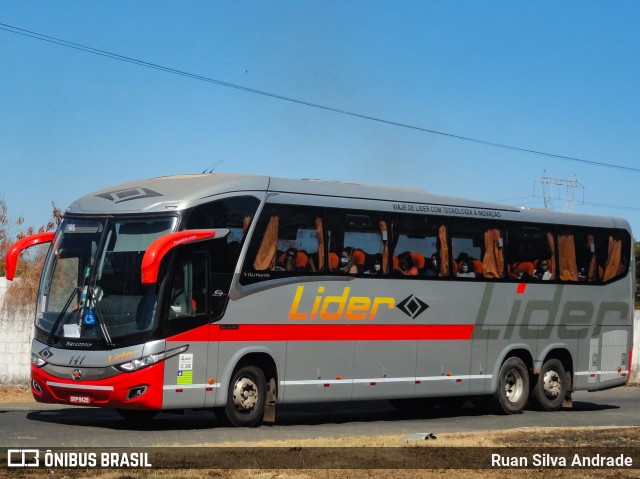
(420, 245)
(358, 243)
(528, 248)
(234, 214)
(289, 240)
(477, 249)
(612, 247)
(577, 255)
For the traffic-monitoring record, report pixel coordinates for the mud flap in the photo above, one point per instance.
(270, 403)
(568, 402)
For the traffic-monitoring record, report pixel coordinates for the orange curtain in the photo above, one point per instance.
(552, 259)
(266, 257)
(614, 259)
(246, 222)
(385, 246)
(493, 261)
(592, 274)
(444, 251)
(320, 236)
(567, 252)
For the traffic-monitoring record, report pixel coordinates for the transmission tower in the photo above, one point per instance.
(559, 186)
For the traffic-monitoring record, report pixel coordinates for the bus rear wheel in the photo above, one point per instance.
(550, 388)
(246, 397)
(513, 386)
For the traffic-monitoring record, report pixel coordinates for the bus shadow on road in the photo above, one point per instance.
(312, 414)
(381, 411)
(109, 419)
(584, 406)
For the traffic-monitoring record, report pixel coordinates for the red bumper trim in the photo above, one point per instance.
(111, 392)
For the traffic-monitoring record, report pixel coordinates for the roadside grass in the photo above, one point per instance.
(526, 437)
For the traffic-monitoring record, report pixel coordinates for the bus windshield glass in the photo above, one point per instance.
(91, 285)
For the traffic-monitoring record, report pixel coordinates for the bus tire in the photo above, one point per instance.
(136, 415)
(246, 397)
(513, 387)
(550, 389)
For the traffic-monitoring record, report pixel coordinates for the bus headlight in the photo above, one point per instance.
(141, 363)
(150, 360)
(37, 361)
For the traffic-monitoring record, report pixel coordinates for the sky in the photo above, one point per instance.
(554, 77)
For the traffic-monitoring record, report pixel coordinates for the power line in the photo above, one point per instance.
(631, 208)
(115, 56)
(585, 203)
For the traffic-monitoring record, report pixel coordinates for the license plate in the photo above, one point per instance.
(80, 399)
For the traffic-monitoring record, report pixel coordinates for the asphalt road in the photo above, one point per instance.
(44, 425)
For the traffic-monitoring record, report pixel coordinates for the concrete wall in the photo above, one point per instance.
(16, 333)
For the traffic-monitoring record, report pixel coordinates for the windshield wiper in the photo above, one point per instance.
(103, 327)
(52, 334)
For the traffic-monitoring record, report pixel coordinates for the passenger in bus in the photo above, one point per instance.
(290, 257)
(376, 268)
(582, 273)
(462, 258)
(522, 270)
(466, 269)
(542, 271)
(406, 266)
(347, 264)
(431, 266)
(295, 260)
(311, 264)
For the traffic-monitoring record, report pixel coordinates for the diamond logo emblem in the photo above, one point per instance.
(128, 194)
(412, 306)
(45, 353)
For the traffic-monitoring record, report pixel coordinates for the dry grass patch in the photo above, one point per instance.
(20, 393)
(525, 437)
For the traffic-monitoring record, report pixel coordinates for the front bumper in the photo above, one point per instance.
(120, 391)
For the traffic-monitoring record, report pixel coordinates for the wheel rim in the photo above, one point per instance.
(513, 386)
(552, 384)
(245, 394)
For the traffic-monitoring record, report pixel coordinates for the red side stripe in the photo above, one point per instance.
(329, 332)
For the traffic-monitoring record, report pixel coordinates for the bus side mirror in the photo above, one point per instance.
(160, 247)
(20, 245)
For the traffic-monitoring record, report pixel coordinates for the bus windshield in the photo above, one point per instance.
(91, 284)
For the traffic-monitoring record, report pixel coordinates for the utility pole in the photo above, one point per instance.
(570, 186)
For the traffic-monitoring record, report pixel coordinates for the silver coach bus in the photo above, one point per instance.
(237, 292)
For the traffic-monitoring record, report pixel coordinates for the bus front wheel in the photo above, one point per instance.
(550, 388)
(513, 386)
(246, 397)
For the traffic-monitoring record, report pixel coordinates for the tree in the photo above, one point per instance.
(23, 293)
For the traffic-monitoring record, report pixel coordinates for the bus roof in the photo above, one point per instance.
(176, 193)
